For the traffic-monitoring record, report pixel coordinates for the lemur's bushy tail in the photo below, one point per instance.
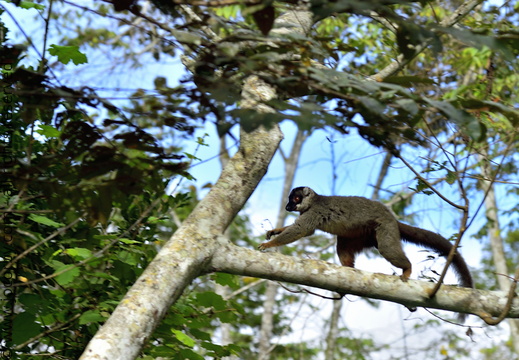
(439, 244)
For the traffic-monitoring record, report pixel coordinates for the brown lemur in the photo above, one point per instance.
(360, 223)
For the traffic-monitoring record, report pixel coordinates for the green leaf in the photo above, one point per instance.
(183, 338)
(191, 157)
(225, 280)
(478, 41)
(129, 241)
(200, 140)
(372, 105)
(45, 220)
(324, 8)
(68, 276)
(451, 177)
(91, 316)
(48, 131)
(201, 335)
(463, 119)
(177, 319)
(24, 327)
(229, 11)
(79, 253)
(128, 258)
(482, 105)
(408, 105)
(408, 80)
(67, 53)
(31, 302)
(421, 187)
(217, 349)
(30, 5)
(227, 317)
(190, 355)
(70, 272)
(103, 275)
(211, 299)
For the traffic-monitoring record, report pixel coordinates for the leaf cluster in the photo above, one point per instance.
(82, 203)
(385, 112)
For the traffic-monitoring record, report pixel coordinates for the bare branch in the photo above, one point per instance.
(320, 274)
(417, 174)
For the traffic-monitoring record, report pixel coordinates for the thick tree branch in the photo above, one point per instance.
(413, 293)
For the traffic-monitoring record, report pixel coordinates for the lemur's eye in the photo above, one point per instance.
(297, 199)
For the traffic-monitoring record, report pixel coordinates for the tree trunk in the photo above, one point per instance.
(267, 321)
(496, 243)
(382, 175)
(267, 318)
(333, 330)
(186, 255)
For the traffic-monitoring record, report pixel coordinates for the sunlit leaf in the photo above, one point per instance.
(91, 316)
(45, 220)
(183, 338)
(67, 53)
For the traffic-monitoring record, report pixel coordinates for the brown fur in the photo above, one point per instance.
(360, 223)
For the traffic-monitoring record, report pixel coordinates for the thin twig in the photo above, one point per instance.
(421, 178)
(57, 327)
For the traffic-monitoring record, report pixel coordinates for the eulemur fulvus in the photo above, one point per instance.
(360, 223)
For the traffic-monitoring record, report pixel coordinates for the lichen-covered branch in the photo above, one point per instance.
(320, 274)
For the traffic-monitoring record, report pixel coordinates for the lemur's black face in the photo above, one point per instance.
(295, 198)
